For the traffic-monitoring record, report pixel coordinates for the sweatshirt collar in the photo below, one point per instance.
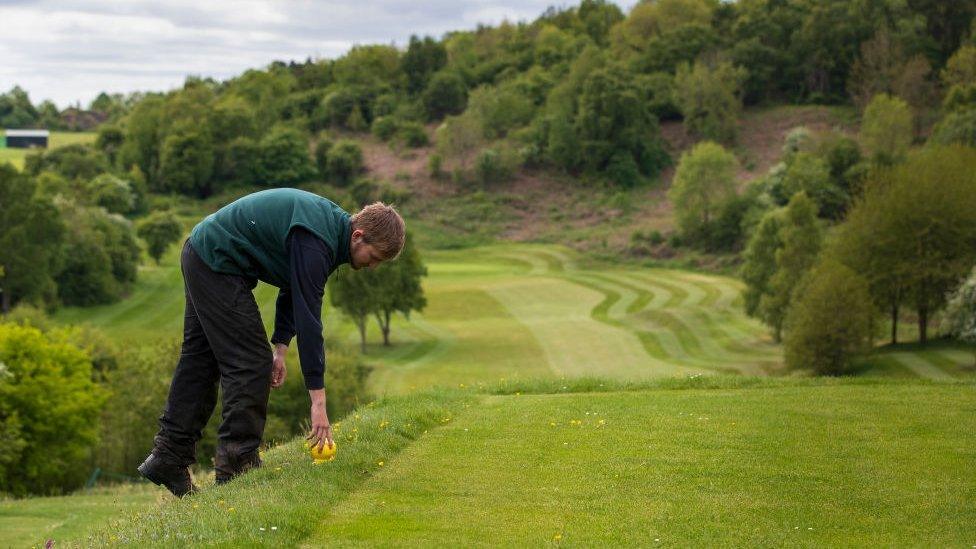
(343, 254)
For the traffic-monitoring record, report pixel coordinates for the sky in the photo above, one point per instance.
(71, 50)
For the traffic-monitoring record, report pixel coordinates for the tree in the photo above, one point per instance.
(187, 160)
(31, 231)
(283, 158)
(500, 109)
(423, 58)
(703, 182)
(830, 322)
(344, 161)
(886, 130)
(649, 19)
(615, 128)
(75, 162)
(801, 238)
(354, 293)
(110, 139)
(112, 193)
(445, 94)
(49, 392)
(960, 69)
(956, 128)
(960, 312)
(142, 138)
(458, 137)
(883, 67)
(759, 260)
(159, 230)
(913, 235)
(862, 243)
(99, 257)
(397, 287)
(16, 110)
(709, 99)
(810, 174)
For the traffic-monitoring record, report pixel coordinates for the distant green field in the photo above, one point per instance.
(57, 139)
(513, 310)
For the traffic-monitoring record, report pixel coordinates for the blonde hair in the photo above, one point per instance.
(382, 228)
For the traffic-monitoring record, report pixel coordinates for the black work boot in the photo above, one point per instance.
(228, 466)
(176, 479)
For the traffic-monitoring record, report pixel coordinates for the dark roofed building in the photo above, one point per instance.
(25, 139)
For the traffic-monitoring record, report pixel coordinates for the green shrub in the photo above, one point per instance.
(623, 170)
(322, 148)
(957, 127)
(413, 135)
(435, 165)
(159, 230)
(100, 256)
(137, 391)
(830, 322)
(445, 94)
(345, 162)
(49, 409)
(494, 165)
(283, 158)
(384, 127)
(111, 193)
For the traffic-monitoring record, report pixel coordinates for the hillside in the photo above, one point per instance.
(545, 206)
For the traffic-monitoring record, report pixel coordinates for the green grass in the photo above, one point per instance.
(707, 460)
(521, 335)
(57, 139)
(23, 520)
(510, 310)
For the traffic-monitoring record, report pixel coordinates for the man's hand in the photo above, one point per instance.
(278, 371)
(321, 428)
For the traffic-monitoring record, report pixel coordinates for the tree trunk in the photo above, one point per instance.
(361, 324)
(923, 324)
(4, 301)
(386, 329)
(894, 322)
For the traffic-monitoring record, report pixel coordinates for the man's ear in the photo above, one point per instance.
(358, 233)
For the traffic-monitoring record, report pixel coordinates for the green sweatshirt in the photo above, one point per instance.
(247, 236)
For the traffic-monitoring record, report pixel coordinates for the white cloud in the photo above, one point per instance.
(70, 50)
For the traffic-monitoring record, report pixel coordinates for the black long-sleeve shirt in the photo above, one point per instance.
(298, 310)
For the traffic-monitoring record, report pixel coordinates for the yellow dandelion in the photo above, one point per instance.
(277, 468)
(552, 423)
(220, 502)
(602, 422)
(230, 510)
(380, 463)
(196, 505)
(557, 537)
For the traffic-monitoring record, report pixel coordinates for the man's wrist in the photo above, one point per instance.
(317, 396)
(281, 347)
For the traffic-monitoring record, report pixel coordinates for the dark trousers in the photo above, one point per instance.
(223, 341)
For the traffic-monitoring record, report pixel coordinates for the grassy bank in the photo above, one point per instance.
(740, 461)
